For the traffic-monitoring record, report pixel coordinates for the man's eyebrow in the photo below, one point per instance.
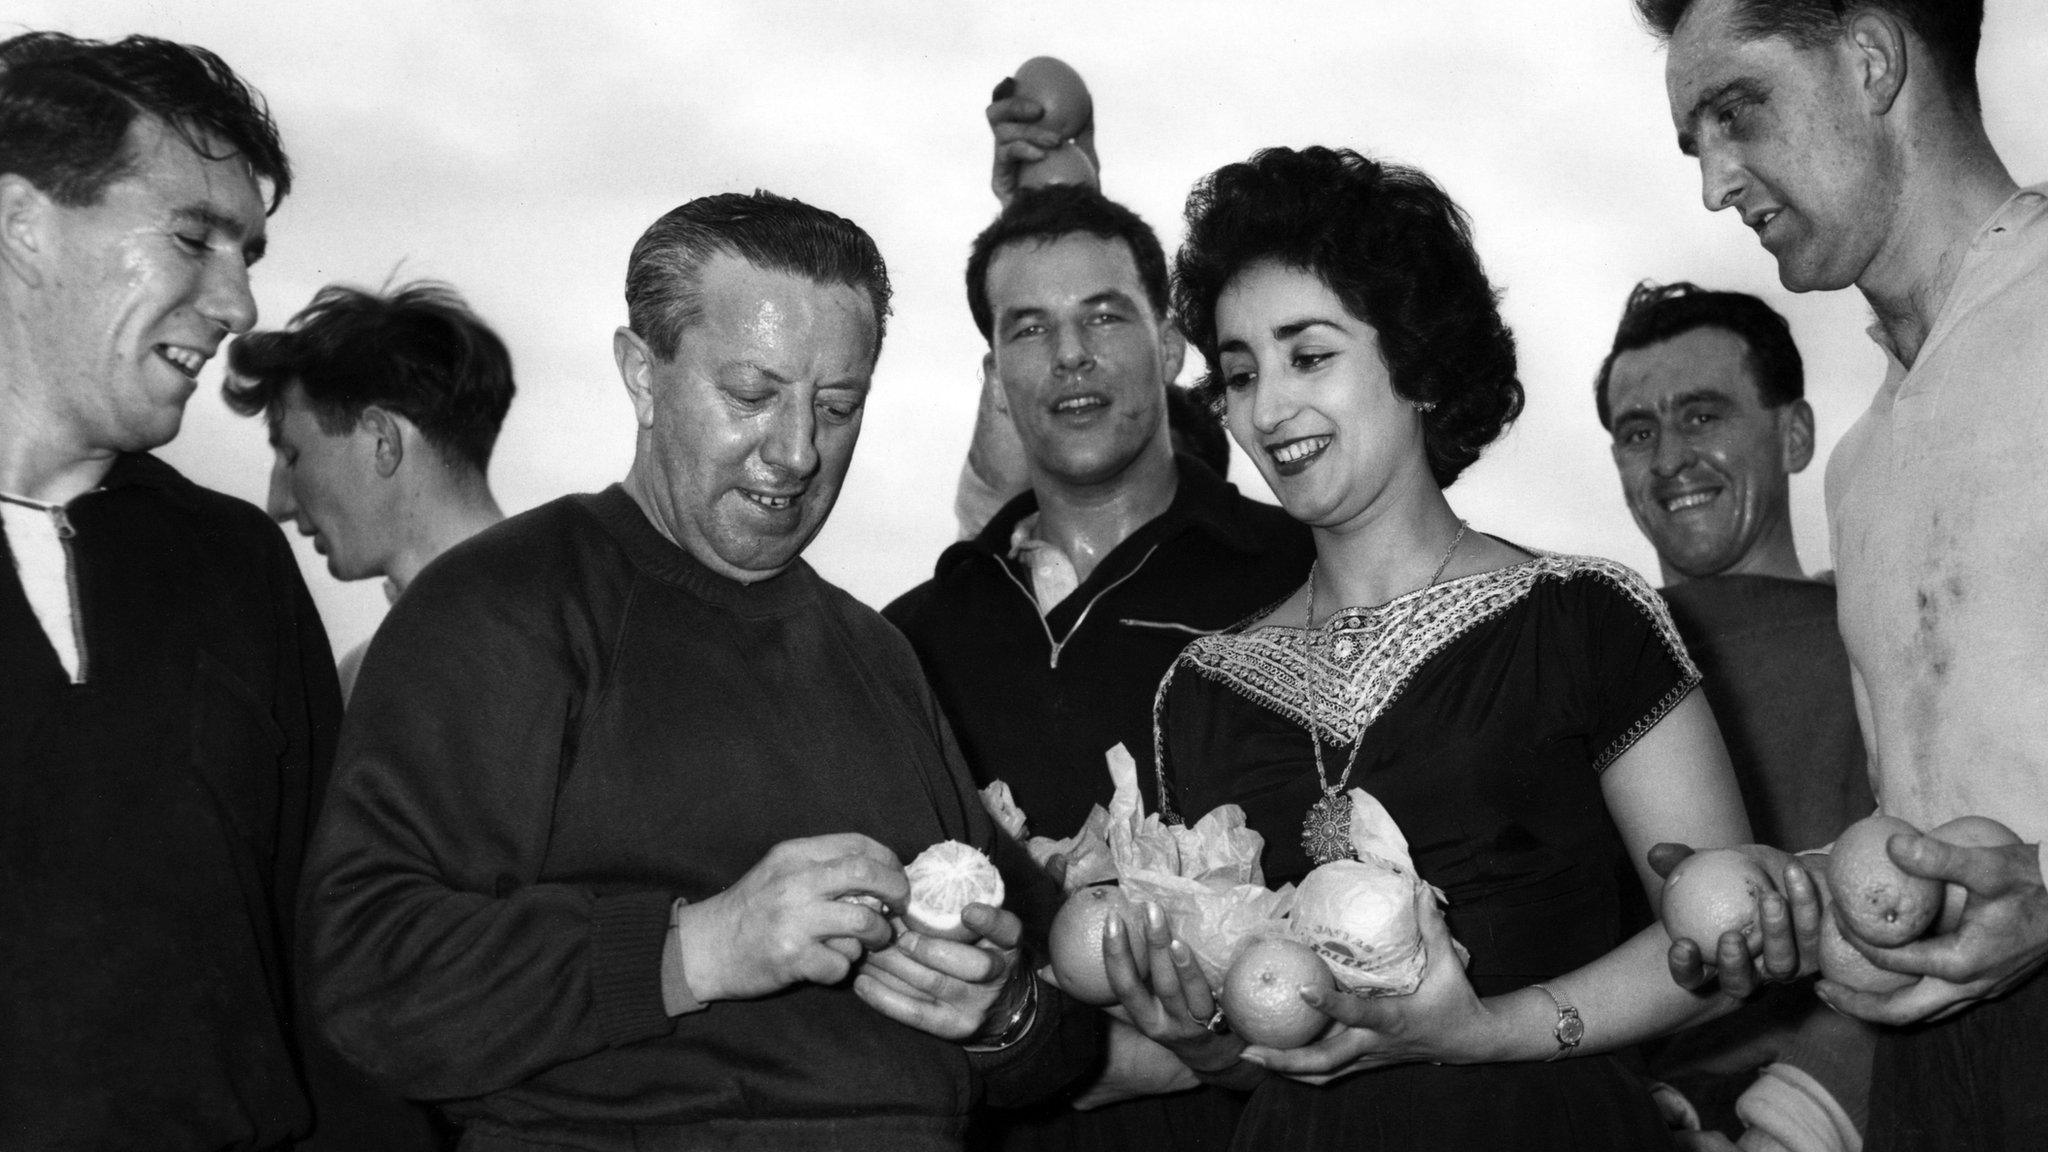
(1109, 296)
(214, 220)
(1688, 139)
(1643, 411)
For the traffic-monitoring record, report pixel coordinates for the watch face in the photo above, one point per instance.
(1571, 1029)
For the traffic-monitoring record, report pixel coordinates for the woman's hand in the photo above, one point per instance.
(1162, 993)
(1443, 1021)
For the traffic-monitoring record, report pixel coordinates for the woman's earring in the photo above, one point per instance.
(1425, 405)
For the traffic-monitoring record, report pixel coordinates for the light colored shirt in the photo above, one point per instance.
(35, 536)
(1053, 575)
(1938, 508)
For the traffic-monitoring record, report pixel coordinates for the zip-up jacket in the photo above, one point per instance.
(154, 817)
(1037, 700)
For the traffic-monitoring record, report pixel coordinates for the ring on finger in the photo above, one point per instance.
(1217, 1023)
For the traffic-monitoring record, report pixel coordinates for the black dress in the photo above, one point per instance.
(1488, 707)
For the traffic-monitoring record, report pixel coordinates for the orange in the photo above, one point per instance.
(1876, 900)
(1713, 892)
(1076, 943)
(1971, 832)
(944, 879)
(1262, 992)
(1842, 963)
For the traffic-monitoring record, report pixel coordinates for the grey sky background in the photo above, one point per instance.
(516, 150)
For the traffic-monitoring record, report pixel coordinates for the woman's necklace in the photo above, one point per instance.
(1326, 831)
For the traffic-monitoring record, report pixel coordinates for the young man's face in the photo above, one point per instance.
(1784, 136)
(327, 485)
(1705, 466)
(1082, 358)
(142, 288)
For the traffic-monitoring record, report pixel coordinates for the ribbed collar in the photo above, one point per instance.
(793, 589)
(1203, 501)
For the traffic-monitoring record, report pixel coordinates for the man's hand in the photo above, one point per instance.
(784, 922)
(944, 987)
(1791, 933)
(2001, 940)
(1020, 140)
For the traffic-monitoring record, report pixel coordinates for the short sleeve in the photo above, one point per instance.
(1638, 665)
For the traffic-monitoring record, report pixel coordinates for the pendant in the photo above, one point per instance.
(1326, 832)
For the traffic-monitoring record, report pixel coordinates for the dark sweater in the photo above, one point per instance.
(565, 724)
(151, 831)
(1777, 675)
(1040, 716)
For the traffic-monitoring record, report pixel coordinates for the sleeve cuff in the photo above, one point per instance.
(628, 932)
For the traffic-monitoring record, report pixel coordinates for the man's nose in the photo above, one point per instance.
(791, 442)
(1073, 352)
(279, 502)
(1721, 177)
(226, 298)
(1674, 455)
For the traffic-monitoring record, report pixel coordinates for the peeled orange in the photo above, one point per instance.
(1713, 892)
(1878, 901)
(1076, 943)
(944, 879)
(1262, 992)
(1971, 832)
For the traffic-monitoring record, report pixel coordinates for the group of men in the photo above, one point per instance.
(569, 869)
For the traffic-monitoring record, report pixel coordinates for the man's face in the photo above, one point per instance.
(1082, 359)
(141, 288)
(1704, 465)
(747, 433)
(327, 485)
(1787, 138)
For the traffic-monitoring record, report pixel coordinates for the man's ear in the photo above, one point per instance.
(24, 213)
(387, 431)
(1795, 435)
(1173, 350)
(994, 384)
(1881, 49)
(636, 370)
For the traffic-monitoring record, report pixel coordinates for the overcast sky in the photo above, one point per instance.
(516, 150)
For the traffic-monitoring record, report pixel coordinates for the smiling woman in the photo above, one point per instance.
(1527, 719)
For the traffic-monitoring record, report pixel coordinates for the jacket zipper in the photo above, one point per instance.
(65, 533)
(1058, 644)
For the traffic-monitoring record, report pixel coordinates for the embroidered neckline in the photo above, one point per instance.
(1369, 655)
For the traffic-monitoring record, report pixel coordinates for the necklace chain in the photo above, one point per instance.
(1321, 835)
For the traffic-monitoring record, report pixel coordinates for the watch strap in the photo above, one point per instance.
(1569, 1029)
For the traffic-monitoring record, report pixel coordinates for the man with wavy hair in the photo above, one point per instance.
(1848, 135)
(383, 409)
(170, 702)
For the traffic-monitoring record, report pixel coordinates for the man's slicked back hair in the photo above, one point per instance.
(664, 275)
(66, 106)
(1950, 28)
(1043, 215)
(418, 351)
(1656, 313)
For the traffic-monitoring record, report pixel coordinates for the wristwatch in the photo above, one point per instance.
(1569, 1030)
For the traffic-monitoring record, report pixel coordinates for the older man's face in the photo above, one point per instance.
(1786, 137)
(142, 287)
(747, 433)
(1704, 465)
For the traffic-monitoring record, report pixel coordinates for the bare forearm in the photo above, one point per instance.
(1624, 998)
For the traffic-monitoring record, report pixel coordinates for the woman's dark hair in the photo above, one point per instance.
(1394, 248)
